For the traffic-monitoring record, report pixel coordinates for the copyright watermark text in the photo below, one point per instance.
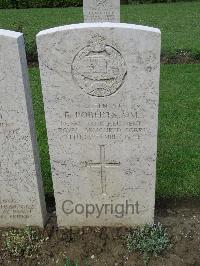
(118, 210)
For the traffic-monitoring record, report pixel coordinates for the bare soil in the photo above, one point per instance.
(172, 59)
(106, 246)
(180, 59)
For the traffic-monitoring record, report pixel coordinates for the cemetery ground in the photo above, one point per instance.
(107, 246)
(178, 166)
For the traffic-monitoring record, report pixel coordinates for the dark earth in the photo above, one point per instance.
(179, 58)
(107, 246)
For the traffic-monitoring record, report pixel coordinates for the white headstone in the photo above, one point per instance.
(101, 10)
(100, 86)
(21, 195)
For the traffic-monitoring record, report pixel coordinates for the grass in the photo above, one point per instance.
(40, 124)
(178, 167)
(179, 23)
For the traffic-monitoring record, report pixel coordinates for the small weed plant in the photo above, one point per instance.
(23, 242)
(74, 263)
(150, 241)
(69, 263)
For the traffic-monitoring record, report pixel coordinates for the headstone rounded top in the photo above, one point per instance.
(105, 25)
(12, 34)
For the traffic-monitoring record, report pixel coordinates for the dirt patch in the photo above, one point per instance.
(180, 59)
(175, 59)
(106, 246)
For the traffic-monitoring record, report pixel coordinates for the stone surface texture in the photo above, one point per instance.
(101, 90)
(101, 10)
(21, 195)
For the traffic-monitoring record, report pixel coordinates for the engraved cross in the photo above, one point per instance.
(103, 164)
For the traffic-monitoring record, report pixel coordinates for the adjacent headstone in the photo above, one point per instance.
(21, 195)
(100, 86)
(101, 10)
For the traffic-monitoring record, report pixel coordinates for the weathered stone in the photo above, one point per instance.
(101, 86)
(21, 196)
(101, 10)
